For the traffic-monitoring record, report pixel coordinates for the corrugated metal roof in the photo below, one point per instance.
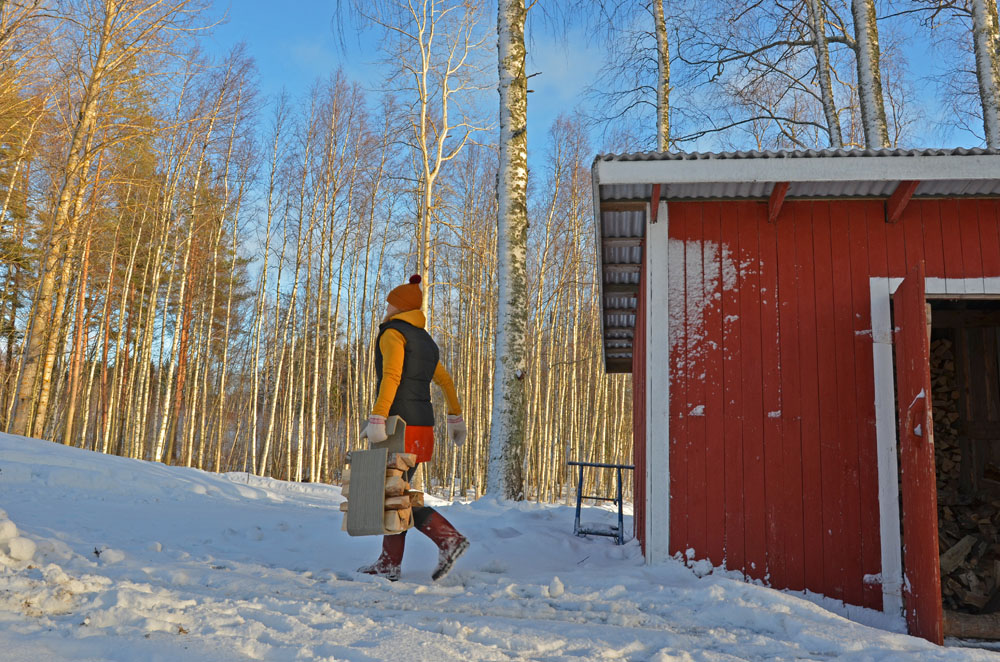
(623, 223)
(831, 189)
(796, 154)
(621, 203)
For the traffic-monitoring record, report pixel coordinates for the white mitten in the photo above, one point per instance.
(457, 431)
(375, 429)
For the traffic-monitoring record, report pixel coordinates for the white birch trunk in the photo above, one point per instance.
(662, 79)
(817, 24)
(869, 76)
(507, 431)
(986, 41)
(37, 334)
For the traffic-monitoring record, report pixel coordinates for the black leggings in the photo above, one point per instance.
(421, 513)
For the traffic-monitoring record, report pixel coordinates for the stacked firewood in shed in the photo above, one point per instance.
(968, 524)
(399, 498)
(944, 386)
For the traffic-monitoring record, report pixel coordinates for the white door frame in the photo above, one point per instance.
(657, 521)
(882, 290)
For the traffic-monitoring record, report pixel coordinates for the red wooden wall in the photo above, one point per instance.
(772, 419)
(639, 414)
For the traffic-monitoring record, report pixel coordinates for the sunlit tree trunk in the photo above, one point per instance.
(986, 42)
(869, 77)
(507, 430)
(817, 25)
(662, 78)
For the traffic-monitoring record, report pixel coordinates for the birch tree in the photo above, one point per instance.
(867, 55)
(662, 78)
(968, 30)
(986, 41)
(112, 35)
(635, 76)
(162, 347)
(817, 25)
(507, 428)
(433, 50)
(777, 72)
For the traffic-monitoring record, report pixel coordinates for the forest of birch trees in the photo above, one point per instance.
(192, 272)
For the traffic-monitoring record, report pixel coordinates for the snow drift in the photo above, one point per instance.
(105, 558)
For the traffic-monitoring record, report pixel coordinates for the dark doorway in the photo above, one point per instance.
(965, 383)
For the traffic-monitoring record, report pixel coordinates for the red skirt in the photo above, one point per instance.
(419, 440)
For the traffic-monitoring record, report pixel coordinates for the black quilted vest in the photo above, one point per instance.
(420, 359)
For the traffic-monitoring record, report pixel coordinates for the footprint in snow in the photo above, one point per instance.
(506, 532)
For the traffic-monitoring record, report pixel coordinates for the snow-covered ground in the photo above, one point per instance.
(134, 561)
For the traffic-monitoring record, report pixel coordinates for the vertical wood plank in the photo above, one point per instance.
(972, 253)
(895, 248)
(677, 305)
(775, 475)
(864, 379)
(990, 236)
(753, 441)
(916, 435)
(792, 497)
(718, 272)
(847, 390)
(913, 235)
(814, 525)
(834, 543)
(695, 377)
(933, 246)
(732, 379)
(951, 243)
(639, 412)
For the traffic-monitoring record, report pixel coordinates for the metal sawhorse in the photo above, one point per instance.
(616, 532)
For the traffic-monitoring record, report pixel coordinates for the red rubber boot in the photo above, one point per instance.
(389, 561)
(451, 544)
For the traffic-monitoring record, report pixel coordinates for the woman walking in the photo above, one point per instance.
(406, 362)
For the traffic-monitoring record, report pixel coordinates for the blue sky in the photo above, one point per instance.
(300, 42)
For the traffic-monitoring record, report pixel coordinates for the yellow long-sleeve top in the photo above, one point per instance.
(393, 345)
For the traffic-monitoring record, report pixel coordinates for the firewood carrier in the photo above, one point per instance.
(616, 532)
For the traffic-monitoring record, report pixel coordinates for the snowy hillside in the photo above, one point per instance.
(114, 559)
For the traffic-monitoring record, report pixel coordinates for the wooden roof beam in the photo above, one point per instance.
(776, 200)
(622, 268)
(623, 205)
(897, 202)
(619, 289)
(626, 242)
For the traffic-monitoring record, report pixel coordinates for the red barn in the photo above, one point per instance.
(776, 311)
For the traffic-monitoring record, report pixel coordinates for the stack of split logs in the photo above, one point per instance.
(400, 500)
(944, 385)
(968, 523)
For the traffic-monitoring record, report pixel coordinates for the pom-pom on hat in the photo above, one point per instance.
(407, 297)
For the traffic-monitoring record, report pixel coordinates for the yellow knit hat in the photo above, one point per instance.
(407, 297)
